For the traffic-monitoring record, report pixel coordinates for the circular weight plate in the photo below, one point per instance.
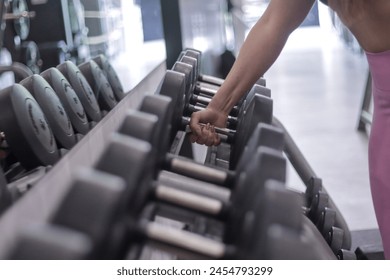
(53, 109)
(111, 76)
(173, 86)
(26, 129)
(21, 25)
(82, 88)
(99, 84)
(69, 99)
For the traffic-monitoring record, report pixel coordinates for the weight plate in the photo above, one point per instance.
(111, 76)
(99, 84)
(21, 25)
(82, 88)
(53, 109)
(69, 99)
(26, 129)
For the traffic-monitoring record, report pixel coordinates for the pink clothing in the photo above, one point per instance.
(379, 147)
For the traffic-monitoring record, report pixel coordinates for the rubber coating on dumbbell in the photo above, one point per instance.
(99, 84)
(111, 76)
(26, 129)
(69, 99)
(83, 90)
(52, 108)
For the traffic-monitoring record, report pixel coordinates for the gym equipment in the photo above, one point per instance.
(26, 129)
(151, 128)
(307, 174)
(278, 165)
(201, 87)
(83, 90)
(363, 252)
(69, 99)
(206, 78)
(191, 98)
(136, 152)
(100, 85)
(258, 110)
(111, 76)
(49, 242)
(52, 107)
(21, 18)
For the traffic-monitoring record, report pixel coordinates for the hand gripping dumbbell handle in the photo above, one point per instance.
(225, 134)
(232, 121)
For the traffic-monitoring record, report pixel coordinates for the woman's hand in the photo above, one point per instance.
(202, 126)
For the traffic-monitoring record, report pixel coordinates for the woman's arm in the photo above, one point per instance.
(263, 45)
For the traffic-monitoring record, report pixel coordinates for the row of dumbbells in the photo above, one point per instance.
(44, 116)
(255, 107)
(250, 200)
(219, 178)
(110, 209)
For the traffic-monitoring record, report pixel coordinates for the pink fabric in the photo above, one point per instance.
(379, 147)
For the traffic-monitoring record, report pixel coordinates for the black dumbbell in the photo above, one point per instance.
(83, 90)
(266, 163)
(146, 127)
(51, 106)
(111, 76)
(25, 128)
(196, 54)
(144, 229)
(258, 110)
(191, 98)
(99, 84)
(69, 99)
(203, 88)
(153, 128)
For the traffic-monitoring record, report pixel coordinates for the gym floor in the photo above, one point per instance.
(317, 85)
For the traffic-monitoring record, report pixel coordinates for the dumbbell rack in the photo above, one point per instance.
(39, 203)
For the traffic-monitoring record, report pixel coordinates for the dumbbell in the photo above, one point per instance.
(20, 17)
(258, 110)
(26, 129)
(151, 128)
(203, 88)
(134, 227)
(99, 84)
(83, 90)
(196, 54)
(111, 76)
(191, 98)
(69, 99)
(51, 106)
(162, 107)
(264, 135)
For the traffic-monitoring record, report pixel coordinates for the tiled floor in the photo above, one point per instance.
(317, 86)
